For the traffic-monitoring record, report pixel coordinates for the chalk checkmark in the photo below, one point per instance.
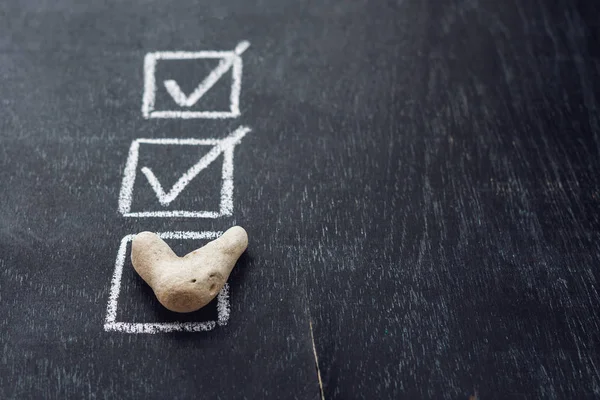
(166, 198)
(226, 62)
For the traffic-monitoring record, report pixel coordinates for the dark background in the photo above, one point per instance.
(421, 182)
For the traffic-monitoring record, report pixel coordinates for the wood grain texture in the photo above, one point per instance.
(421, 182)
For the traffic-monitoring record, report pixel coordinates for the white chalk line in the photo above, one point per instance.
(115, 286)
(174, 214)
(195, 114)
(225, 146)
(129, 327)
(229, 60)
(189, 142)
(166, 198)
(223, 307)
(236, 86)
(189, 235)
(189, 55)
(226, 208)
(149, 96)
(126, 193)
(110, 323)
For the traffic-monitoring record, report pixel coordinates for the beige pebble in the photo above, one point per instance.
(188, 283)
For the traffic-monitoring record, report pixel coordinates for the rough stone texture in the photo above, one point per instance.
(188, 283)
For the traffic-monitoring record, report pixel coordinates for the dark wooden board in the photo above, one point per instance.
(421, 183)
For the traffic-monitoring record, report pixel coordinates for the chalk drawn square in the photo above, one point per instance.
(111, 323)
(182, 103)
(171, 191)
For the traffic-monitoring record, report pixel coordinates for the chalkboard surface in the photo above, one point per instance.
(419, 181)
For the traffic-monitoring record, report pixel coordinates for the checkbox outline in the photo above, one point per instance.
(110, 322)
(227, 188)
(150, 87)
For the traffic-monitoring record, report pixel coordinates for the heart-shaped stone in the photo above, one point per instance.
(188, 283)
